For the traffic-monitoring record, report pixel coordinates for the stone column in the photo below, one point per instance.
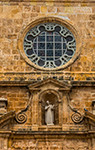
(35, 111)
(65, 110)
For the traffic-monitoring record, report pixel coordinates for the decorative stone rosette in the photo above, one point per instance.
(77, 117)
(21, 118)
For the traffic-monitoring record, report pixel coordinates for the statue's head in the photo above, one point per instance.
(47, 102)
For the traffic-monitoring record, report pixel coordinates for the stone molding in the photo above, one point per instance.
(53, 134)
(62, 85)
(27, 83)
(26, 78)
(90, 117)
(56, 1)
(6, 119)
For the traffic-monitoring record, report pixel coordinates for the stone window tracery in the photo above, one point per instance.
(49, 45)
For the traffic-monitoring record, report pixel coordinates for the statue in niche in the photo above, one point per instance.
(49, 113)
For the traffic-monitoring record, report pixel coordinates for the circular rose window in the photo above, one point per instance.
(49, 45)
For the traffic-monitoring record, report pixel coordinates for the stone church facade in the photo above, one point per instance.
(47, 53)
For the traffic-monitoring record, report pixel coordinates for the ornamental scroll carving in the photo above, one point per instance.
(76, 117)
(20, 116)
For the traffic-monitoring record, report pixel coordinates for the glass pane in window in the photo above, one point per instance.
(49, 38)
(41, 45)
(58, 46)
(49, 45)
(58, 52)
(64, 46)
(41, 39)
(41, 53)
(34, 45)
(58, 38)
(49, 53)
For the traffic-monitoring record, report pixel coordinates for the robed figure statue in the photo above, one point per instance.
(49, 114)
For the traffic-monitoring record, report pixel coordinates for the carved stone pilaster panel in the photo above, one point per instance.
(3, 143)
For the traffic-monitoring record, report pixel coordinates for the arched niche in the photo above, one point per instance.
(54, 98)
(56, 92)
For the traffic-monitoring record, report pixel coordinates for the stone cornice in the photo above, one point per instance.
(6, 117)
(25, 77)
(56, 1)
(53, 134)
(26, 83)
(61, 85)
(90, 116)
(45, 72)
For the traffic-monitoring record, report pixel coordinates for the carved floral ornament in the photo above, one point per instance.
(49, 43)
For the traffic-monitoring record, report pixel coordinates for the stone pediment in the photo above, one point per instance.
(6, 119)
(50, 81)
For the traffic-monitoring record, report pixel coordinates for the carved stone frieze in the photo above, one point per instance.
(23, 144)
(76, 145)
(52, 145)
